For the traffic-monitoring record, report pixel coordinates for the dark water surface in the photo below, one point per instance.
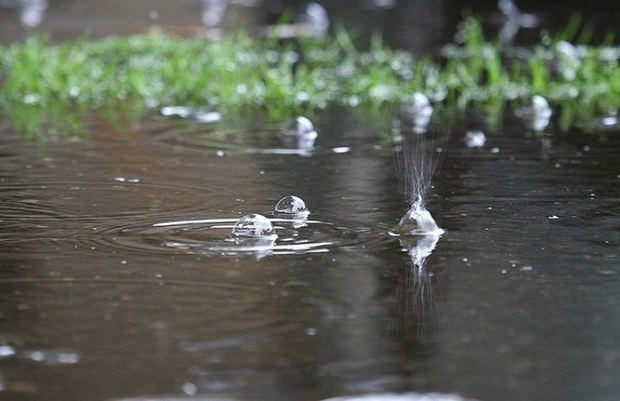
(519, 300)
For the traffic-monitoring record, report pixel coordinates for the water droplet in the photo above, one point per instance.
(253, 226)
(416, 111)
(291, 205)
(475, 139)
(190, 388)
(537, 113)
(317, 18)
(176, 111)
(300, 134)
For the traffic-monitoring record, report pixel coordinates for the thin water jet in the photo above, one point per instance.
(416, 155)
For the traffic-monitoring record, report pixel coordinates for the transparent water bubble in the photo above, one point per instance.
(253, 226)
(301, 135)
(291, 205)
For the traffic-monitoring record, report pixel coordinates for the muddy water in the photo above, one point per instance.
(110, 288)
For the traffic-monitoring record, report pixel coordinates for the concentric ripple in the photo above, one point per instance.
(212, 237)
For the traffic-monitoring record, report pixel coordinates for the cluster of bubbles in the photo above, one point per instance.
(257, 229)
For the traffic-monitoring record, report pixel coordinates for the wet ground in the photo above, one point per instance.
(118, 278)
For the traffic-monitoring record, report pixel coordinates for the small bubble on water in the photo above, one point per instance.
(190, 388)
(220, 153)
(253, 226)
(495, 150)
(291, 205)
(553, 217)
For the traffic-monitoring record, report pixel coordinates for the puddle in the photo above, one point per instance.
(119, 252)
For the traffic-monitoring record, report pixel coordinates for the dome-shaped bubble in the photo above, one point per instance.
(253, 226)
(303, 126)
(291, 205)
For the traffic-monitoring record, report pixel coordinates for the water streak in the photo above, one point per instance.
(417, 155)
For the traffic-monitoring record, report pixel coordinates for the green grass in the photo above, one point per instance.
(45, 88)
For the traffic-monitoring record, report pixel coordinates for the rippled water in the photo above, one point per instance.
(118, 281)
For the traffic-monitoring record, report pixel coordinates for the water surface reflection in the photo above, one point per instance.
(517, 299)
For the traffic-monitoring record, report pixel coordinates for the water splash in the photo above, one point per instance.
(514, 20)
(475, 139)
(300, 135)
(418, 221)
(536, 114)
(416, 155)
(416, 111)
